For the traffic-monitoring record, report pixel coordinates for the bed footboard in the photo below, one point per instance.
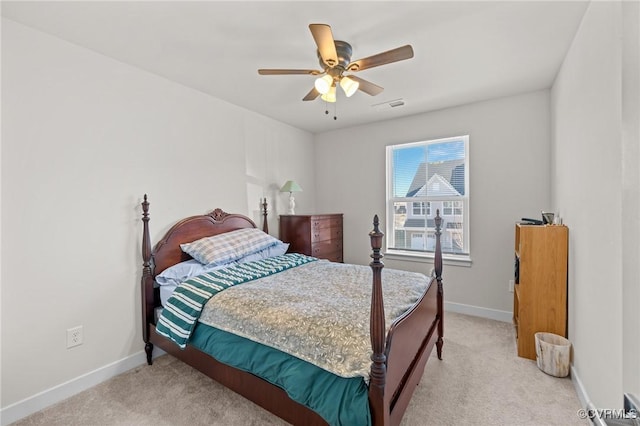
(409, 344)
(398, 365)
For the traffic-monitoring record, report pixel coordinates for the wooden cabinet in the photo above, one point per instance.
(318, 235)
(540, 290)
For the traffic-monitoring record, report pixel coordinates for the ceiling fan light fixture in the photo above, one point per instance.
(323, 84)
(349, 86)
(330, 96)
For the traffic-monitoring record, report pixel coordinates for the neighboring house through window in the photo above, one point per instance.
(423, 177)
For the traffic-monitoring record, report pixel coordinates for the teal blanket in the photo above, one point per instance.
(185, 305)
(338, 400)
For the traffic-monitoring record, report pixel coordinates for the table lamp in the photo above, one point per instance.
(291, 186)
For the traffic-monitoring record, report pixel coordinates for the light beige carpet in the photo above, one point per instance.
(480, 381)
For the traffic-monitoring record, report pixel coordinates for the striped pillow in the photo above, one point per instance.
(228, 247)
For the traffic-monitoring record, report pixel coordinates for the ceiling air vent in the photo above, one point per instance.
(388, 104)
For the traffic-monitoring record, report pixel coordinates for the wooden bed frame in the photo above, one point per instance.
(398, 359)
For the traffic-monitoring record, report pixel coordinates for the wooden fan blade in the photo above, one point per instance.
(283, 72)
(367, 86)
(393, 55)
(326, 44)
(311, 95)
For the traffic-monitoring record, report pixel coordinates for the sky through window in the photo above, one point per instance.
(411, 157)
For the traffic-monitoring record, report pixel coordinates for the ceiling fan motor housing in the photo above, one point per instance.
(344, 51)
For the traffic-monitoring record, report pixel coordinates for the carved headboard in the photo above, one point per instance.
(167, 251)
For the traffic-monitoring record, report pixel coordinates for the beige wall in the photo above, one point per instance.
(631, 201)
(595, 150)
(83, 138)
(509, 150)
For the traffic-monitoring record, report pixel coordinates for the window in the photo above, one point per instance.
(421, 209)
(451, 208)
(447, 208)
(423, 177)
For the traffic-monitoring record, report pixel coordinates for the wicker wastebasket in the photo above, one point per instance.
(553, 354)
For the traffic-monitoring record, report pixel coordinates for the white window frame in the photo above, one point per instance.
(396, 253)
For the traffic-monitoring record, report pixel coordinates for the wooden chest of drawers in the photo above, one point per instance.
(318, 235)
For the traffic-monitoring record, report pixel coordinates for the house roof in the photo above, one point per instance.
(451, 172)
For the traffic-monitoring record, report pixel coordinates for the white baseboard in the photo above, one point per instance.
(580, 390)
(476, 311)
(44, 399)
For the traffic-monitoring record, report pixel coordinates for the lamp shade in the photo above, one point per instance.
(290, 186)
(330, 96)
(323, 84)
(349, 86)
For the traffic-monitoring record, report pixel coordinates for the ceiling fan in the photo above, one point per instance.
(335, 59)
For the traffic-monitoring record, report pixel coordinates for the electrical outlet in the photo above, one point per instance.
(510, 287)
(74, 336)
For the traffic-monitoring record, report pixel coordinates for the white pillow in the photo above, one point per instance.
(175, 275)
(182, 271)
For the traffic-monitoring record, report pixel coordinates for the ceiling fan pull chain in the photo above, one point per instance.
(326, 107)
(335, 107)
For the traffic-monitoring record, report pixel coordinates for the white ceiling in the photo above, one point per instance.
(464, 51)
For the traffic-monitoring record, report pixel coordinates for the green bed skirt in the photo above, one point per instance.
(338, 400)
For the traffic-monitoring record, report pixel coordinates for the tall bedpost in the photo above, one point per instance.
(438, 271)
(265, 225)
(147, 280)
(379, 410)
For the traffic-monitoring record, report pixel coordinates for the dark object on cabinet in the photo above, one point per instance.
(398, 359)
(318, 235)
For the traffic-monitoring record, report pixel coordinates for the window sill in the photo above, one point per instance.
(448, 260)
